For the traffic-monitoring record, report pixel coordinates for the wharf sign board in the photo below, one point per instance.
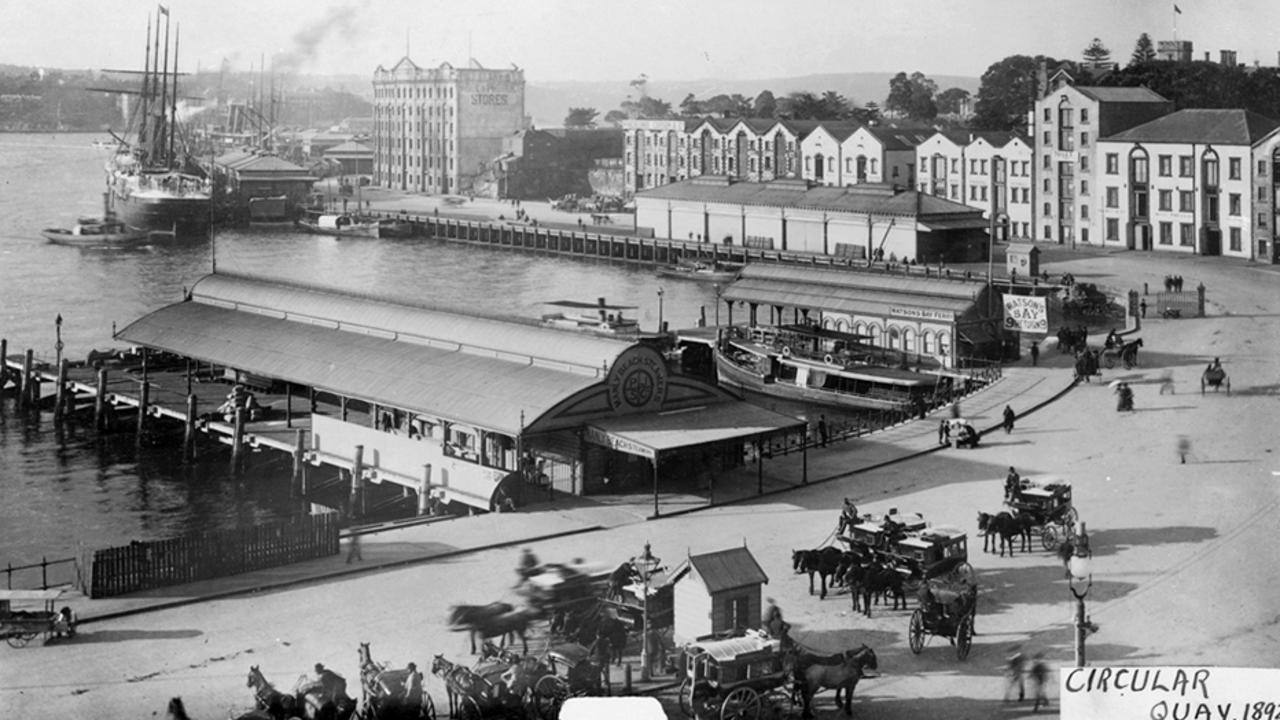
(595, 435)
(1026, 314)
(921, 313)
(1169, 693)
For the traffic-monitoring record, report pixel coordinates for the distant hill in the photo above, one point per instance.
(549, 101)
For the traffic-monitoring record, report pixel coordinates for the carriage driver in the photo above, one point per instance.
(1012, 486)
(848, 514)
(773, 622)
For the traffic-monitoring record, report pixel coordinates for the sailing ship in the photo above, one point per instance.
(153, 184)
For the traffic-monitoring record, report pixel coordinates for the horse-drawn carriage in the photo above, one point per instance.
(19, 627)
(1048, 509)
(571, 671)
(474, 695)
(1215, 377)
(1125, 353)
(732, 677)
(947, 609)
(392, 693)
(932, 553)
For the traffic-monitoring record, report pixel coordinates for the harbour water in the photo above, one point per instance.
(64, 488)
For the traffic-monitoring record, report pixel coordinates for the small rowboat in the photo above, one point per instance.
(95, 232)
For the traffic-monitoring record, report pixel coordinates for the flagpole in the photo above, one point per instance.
(1176, 13)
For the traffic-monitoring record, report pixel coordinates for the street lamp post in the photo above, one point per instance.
(998, 219)
(646, 565)
(717, 289)
(1080, 581)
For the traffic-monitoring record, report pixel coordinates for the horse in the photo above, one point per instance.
(822, 561)
(459, 682)
(267, 697)
(383, 688)
(468, 617)
(842, 674)
(1006, 526)
(611, 632)
(1129, 353)
(620, 578)
(876, 579)
(508, 625)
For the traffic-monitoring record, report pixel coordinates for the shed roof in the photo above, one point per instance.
(1231, 126)
(1120, 94)
(659, 432)
(865, 198)
(482, 371)
(350, 148)
(851, 292)
(728, 569)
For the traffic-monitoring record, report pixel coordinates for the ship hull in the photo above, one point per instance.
(181, 215)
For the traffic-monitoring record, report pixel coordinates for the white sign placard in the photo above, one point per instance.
(1169, 693)
(1026, 314)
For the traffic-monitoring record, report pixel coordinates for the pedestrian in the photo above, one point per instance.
(1039, 678)
(1166, 382)
(1035, 350)
(944, 432)
(822, 430)
(955, 410)
(1143, 307)
(1184, 448)
(413, 687)
(1177, 281)
(1009, 417)
(1013, 674)
(353, 549)
(1012, 485)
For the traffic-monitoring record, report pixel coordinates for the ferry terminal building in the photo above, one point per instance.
(467, 409)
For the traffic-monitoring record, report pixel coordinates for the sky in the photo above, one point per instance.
(564, 40)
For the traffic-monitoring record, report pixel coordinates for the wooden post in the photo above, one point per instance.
(189, 437)
(24, 387)
(342, 403)
(424, 490)
(144, 399)
(4, 362)
(237, 439)
(100, 401)
(299, 449)
(760, 465)
(357, 484)
(311, 392)
(60, 398)
(288, 404)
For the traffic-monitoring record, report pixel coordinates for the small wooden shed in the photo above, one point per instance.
(717, 592)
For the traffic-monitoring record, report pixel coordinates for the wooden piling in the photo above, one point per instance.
(144, 400)
(189, 436)
(299, 448)
(288, 404)
(237, 439)
(4, 363)
(357, 484)
(60, 399)
(24, 382)
(100, 401)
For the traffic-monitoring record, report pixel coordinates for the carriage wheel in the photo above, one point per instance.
(916, 632)
(686, 697)
(19, 639)
(964, 636)
(428, 709)
(741, 704)
(469, 709)
(548, 695)
(1070, 516)
(1049, 539)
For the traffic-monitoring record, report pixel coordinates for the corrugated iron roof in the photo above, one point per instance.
(728, 569)
(684, 428)
(1231, 126)
(865, 198)
(490, 392)
(1120, 94)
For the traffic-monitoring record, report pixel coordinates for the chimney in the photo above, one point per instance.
(1042, 80)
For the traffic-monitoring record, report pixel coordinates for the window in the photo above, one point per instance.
(1084, 162)
(1186, 201)
(1211, 172)
(1262, 220)
(1048, 185)
(1262, 194)
(1084, 235)
(1084, 116)
(1113, 163)
(1139, 169)
(955, 165)
(1048, 232)
(1233, 168)
(1185, 234)
(1048, 115)
(955, 191)
(1084, 187)
(1084, 212)
(1186, 168)
(1113, 229)
(1235, 239)
(1166, 200)
(1048, 137)
(1084, 139)
(973, 192)
(1262, 167)
(1166, 233)
(1165, 163)
(982, 194)
(1113, 197)
(1233, 204)
(1048, 209)
(973, 166)
(808, 164)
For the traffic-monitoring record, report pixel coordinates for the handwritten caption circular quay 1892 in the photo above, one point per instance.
(1170, 693)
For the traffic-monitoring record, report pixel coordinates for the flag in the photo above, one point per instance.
(1177, 9)
(165, 11)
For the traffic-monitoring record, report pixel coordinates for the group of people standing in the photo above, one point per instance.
(1173, 283)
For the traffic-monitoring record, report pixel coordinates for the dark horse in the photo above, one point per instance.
(505, 626)
(469, 617)
(874, 579)
(1007, 526)
(1129, 353)
(824, 562)
(841, 672)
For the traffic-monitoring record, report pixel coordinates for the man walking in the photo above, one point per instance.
(1039, 678)
(1184, 448)
(1009, 417)
(822, 430)
(353, 549)
(1013, 675)
(1035, 353)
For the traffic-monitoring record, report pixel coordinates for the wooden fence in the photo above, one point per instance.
(161, 563)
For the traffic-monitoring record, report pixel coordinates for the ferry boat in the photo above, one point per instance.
(717, 272)
(602, 318)
(340, 224)
(846, 374)
(94, 232)
(153, 184)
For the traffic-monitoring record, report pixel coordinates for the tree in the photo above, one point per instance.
(765, 105)
(728, 105)
(1008, 92)
(615, 117)
(1097, 55)
(834, 105)
(951, 100)
(912, 95)
(1143, 51)
(691, 106)
(580, 117)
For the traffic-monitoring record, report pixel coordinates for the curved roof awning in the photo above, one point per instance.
(649, 435)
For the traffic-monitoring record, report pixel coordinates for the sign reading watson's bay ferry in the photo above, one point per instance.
(1169, 693)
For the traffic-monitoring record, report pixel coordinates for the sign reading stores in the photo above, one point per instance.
(621, 444)
(489, 99)
(1170, 693)
(1027, 314)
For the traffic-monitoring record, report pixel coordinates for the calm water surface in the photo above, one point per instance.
(65, 488)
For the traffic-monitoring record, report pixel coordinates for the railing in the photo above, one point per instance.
(52, 573)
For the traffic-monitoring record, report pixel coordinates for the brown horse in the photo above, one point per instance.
(841, 672)
(823, 562)
(267, 697)
(1006, 526)
(470, 617)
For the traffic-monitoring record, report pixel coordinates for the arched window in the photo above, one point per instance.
(858, 328)
(894, 338)
(842, 325)
(873, 334)
(828, 323)
(926, 342)
(909, 340)
(944, 344)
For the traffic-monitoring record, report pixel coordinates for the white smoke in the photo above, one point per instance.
(339, 22)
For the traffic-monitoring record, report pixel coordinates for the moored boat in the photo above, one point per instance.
(602, 318)
(95, 232)
(704, 271)
(340, 224)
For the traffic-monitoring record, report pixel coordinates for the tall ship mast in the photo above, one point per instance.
(153, 183)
